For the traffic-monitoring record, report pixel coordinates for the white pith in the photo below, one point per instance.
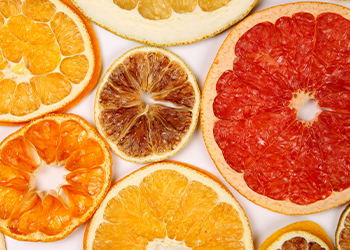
(178, 29)
(195, 111)
(135, 179)
(300, 101)
(76, 88)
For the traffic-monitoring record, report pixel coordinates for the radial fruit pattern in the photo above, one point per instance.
(278, 67)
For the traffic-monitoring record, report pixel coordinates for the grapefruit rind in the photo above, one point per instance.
(169, 32)
(79, 91)
(224, 61)
(341, 226)
(195, 110)
(191, 172)
(76, 221)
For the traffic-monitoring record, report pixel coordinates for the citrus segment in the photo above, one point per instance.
(184, 6)
(139, 131)
(267, 69)
(61, 141)
(45, 39)
(7, 88)
(169, 204)
(210, 5)
(125, 4)
(155, 9)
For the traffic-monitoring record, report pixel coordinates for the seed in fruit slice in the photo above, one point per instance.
(269, 67)
(169, 204)
(54, 141)
(342, 235)
(50, 58)
(164, 22)
(299, 235)
(143, 132)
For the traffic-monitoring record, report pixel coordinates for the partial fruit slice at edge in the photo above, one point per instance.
(2, 242)
(169, 203)
(143, 132)
(54, 141)
(298, 235)
(164, 22)
(48, 65)
(342, 235)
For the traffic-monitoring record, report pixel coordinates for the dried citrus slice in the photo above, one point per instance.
(165, 22)
(300, 235)
(144, 132)
(269, 66)
(56, 140)
(342, 235)
(169, 205)
(2, 242)
(49, 58)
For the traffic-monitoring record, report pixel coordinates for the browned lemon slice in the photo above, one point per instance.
(49, 58)
(165, 22)
(139, 131)
(169, 205)
(342, 235)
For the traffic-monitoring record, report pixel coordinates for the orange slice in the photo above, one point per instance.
(58, 140)
(342, 235)
(169, 205)
(49, 59)
(165, 22)
(145, 132)
(269, 66)
(299, 235)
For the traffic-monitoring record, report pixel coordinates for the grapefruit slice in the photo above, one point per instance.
(49, 58)
(342, 235)
(139, 131)
(169, 205)
(62, 141)
(299, 235)
(270, 66)
(165, 22)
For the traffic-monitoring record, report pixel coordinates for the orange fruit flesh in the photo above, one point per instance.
(167, 204)
(25, 211)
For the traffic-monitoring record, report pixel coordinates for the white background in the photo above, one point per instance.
(199, 57)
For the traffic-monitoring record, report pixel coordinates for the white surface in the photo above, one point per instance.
(199, 57)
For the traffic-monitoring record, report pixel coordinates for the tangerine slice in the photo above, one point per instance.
(165, 22)
(142, 132)
(169, 204)
(66, 141)
(44, 41)
(273, 63)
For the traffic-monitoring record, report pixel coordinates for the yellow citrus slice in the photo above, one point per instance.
(300, 235)
(165, 22)
(2, 242)
(146, 132)
(342, 235)
(169, 205)
(56, 140)
(49, 58)
(271, 64)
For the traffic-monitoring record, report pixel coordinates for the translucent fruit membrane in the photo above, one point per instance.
(168, 210)
(41, 56)
(162, 9)
(140, 130)
(258, 132)
(27, 211)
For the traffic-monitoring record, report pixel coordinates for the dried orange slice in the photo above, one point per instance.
(49, 58)
(269, 66)
(169, 205)
(165, 22)
(57, 140)
(300, 235)
(147, 132)
(342, 235)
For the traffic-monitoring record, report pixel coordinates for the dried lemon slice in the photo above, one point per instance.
(169, 205)
(165, 22)
(342, 239)
(143, 132)
(56, 140)
(49, 58)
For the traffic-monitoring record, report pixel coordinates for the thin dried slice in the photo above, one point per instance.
(13, 177)
(10, 7)
(143, 132)
(24, 100)
(126, 4)
(7, 89)
(75, 68)
(342, 239)
(42, 34)
(67, 34)
(39, 10)
(169, 204)
(155, 9)
(21, 26)
(9, 199)
(12, 48)
(79, 203)
(180, 6)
